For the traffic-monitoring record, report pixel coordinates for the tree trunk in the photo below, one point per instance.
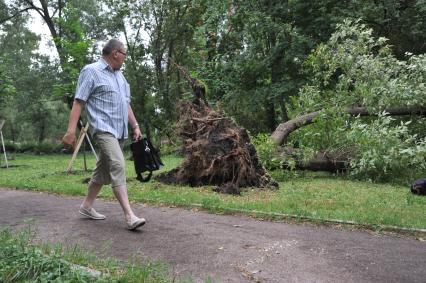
(271, 118)
(42, 131)
(322, 161)
(281, 133)
(283, 100)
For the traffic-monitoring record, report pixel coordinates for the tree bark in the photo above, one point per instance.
(271, 118)
(281, 133)
(322, 161)
(42, 132)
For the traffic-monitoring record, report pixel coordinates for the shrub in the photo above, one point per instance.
(10, 147)
(267, 151)
(32, 146)
(167, 149)
(47, 147)
(384, 151)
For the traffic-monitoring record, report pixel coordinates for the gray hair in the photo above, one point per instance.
(111, 45)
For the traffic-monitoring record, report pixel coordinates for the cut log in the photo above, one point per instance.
(281, 133)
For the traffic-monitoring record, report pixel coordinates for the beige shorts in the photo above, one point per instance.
(110, 168)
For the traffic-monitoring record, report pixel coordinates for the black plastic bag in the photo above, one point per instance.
(419, 187)
(146, 158)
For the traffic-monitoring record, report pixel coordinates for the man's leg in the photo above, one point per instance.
(132, 220)
(92, 193)
(99, 177)
(120, 193)
(115, 168)
(86, 207)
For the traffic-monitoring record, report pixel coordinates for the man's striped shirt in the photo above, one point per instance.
(107, 96)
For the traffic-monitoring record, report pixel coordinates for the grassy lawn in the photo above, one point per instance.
(318, 196)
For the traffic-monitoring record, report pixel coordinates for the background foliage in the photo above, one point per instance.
(263, 62)
(354, 69)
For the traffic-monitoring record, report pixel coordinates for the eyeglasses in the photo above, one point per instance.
(124, 53)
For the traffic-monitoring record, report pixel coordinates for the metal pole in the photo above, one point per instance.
(4, 149)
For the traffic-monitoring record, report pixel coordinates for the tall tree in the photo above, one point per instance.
(254, 69)
(27, 110)
(402, 22)
(157, 33)
(171, 39)
(69, 21)
(129, 20)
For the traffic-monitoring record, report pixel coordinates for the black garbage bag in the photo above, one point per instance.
(419, 187)
(146, 158)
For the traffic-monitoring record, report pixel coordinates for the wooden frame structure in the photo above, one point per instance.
(82, 135)
(2, 142)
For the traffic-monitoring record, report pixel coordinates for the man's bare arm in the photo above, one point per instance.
(69, 138)
(137, 134)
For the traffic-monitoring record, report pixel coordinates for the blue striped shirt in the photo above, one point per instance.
(107, 96)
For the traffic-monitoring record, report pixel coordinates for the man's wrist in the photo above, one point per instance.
(135, 126)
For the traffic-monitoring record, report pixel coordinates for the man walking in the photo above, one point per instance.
(105, 93)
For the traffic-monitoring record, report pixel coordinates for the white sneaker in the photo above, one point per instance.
(135, 223)
(91, 213)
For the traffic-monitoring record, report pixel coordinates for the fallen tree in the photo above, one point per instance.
(323, 160)
(281, 133)
(217, 151)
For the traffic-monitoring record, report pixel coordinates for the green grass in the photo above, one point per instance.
(23, 260)
(318, 196)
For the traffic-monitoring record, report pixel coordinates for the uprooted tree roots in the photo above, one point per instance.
(217, 153)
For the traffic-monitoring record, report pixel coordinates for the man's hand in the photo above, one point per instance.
(137, 134)
(69, 140)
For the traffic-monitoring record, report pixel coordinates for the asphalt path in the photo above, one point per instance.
(223, 248)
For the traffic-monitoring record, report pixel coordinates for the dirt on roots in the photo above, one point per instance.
(217, 152)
